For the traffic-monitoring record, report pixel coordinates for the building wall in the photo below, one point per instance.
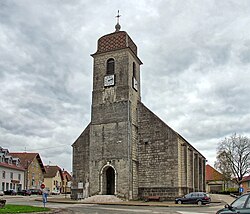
(54, 183)
(158, 156)
(246, 186)
(113, 135)
(80, 162)
(7, 182)
(34, 175)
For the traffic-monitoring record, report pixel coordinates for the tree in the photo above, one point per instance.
(233, 157)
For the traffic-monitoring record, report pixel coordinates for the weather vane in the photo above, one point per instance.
(118, 26)
(118, 16)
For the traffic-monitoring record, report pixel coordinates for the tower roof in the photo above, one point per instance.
(116, 41)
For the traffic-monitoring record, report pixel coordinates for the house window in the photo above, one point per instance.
(248, 184)
(110, 66)
(3, 185)
(3, 174)
(11, 175)
(19, 177)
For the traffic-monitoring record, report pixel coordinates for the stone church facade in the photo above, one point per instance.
(126, 150)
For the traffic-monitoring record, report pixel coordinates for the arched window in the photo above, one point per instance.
(110, 66)
(134, 70)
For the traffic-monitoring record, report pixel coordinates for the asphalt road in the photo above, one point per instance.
(113, 209)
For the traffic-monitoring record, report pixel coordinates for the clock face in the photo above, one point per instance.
(109, 80)
(135, 84)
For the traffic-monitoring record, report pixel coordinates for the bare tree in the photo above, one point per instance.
(233, 157)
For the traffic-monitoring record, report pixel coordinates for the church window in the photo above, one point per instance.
(134, 70)
(111, 66)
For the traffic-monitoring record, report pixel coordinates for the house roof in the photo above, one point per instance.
(212, 174)
(66, 176)
(246, 178)
(11, 166)
(51, 171)
(26, 158)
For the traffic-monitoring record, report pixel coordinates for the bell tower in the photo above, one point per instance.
(113, 161)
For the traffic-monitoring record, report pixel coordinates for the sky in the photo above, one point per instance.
(195, 74)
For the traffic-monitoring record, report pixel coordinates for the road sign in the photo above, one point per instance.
(42, 186)
(241, 189)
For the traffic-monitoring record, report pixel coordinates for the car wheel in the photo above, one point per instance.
(199, 203)
(179, 202)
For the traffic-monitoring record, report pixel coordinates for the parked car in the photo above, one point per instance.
(240, 205)
(1, 193)
(55, 192)
(10, 192)
(24, 192)
(36, 191)
(194, 198)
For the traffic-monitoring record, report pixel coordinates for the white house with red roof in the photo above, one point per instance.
(11, 172)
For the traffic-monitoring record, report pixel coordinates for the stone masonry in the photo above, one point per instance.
(127, 150)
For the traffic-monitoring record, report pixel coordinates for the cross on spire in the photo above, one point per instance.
(118, 26)
(118, 16)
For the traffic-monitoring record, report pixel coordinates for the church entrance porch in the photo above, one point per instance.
(108, 180)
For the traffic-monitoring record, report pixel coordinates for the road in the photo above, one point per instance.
(113, 209)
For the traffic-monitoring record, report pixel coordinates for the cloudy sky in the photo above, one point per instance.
(195, 76)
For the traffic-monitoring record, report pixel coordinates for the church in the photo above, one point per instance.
(126, 150)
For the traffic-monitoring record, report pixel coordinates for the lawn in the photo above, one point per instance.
(10, 208)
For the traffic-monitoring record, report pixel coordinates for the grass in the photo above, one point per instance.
(10, 208)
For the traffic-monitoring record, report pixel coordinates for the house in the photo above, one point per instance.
(53, 179)
(67, 180)
(214, 180)
(34, 169)
(11, 172)
(246, 184)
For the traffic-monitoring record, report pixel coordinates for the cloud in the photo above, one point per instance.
(195, 74)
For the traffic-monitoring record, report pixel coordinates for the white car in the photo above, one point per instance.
(1, 193)
(55, 192)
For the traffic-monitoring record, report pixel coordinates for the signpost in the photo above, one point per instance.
(241, 190)
(44, 195)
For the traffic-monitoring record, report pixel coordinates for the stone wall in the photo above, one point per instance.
(80, 161)
(158, 155)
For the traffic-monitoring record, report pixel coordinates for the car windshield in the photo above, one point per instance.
(239, 203)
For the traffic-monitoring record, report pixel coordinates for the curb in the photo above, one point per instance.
(157, 204)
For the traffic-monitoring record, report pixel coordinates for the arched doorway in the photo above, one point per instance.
(110, 181)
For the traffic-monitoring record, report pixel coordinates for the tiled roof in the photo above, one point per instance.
(212, 174)
(51, 171)
(26, 158)
(11, 166)
(246, 178)
(66, 176)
